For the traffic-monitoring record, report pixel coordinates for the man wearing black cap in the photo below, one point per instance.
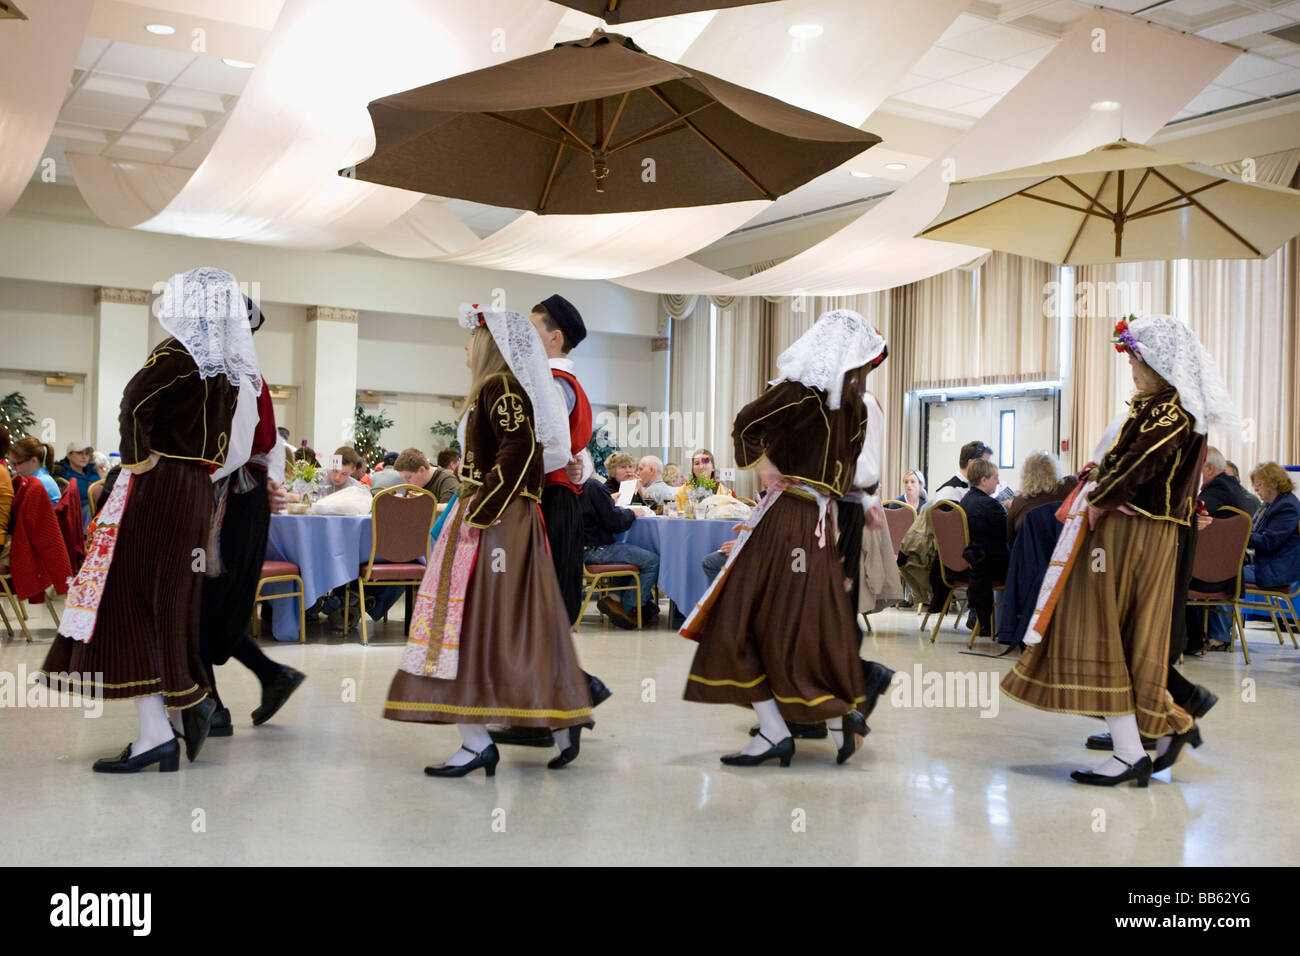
(561, 328)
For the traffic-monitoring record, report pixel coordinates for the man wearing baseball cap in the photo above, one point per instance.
(78, 465)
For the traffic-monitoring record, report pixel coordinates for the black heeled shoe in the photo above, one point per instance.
(569, 753)
(1176, 744)
(196, 722)
(276, 693)
(1200, 701)
(487, 758)
(598, 690)
(876, 679)
(852, 726)
(782, 751)
(221, 725)
(1139, 772)
(167, 756)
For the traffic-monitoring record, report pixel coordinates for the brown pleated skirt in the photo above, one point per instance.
(517, 664)
(782, 626)
(1106, 651)
(146, 638)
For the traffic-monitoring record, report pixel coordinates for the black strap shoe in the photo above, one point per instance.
(853, 726)
(1176, 744)
(1139, 772)
(276, 693)
(782, 752)
(487, 758)
(167, 756)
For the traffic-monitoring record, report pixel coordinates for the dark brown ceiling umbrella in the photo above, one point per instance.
(599, 126)
(627, 11)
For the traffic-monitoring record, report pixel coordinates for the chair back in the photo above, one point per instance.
(400, 524)
(899, 517)
(93, 494)
(950, 536)
(1221, 547)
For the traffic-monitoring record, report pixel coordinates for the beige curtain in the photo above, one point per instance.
(736, 379)
(688, 386)
(1018, 342)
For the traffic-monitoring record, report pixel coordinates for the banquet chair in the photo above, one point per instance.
(951, 537)
(600, 578)
(899, 516)
(7, 592)
(274, 572)
(93, 494)
(401, 528)
(1220, 554)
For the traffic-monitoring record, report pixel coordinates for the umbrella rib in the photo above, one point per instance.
(609, 133)
(1092, 201)
(555, 163)
(549, 137)
(767, 194)
(1155, 207)
(565, 126)
(1133, 198)
(670, 125)
(1222, 225)
(1056, 202)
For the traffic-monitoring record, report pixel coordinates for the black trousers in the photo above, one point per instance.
(980, 591)
(851, 520)
(563, 517)
(1180, 688)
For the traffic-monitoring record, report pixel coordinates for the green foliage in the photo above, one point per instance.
(16, 416)
(601, 447)
(445, 433)
(366, 434)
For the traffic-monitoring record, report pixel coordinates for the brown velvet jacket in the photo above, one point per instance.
(808, 442)
(168, 408)
(503, 458)
(1154, 466)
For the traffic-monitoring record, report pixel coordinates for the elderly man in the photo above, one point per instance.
(651, 470)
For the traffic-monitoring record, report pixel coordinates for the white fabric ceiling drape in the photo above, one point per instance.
(36, 59)
(1151, 70)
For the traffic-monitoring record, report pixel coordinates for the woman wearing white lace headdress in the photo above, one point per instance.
(776, 628)
(1099, 638)
(490, 638)
(132, 619)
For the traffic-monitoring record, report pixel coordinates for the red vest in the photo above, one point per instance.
(579, 429)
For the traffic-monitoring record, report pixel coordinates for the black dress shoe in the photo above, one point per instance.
(1200, 701)
(221, 725)
(782, 752)
(487, 758)
(167, 756)
(522, 736)
(569, 753)
(1103, 742)
(599, 692)
(618, 616)
(1139, 772)
(854, 726)
(276, 693)
(876, 679)
(196, 721)
(1176, 744)
(815, 731)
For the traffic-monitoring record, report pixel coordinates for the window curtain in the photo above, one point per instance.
(737, 379)
(1017, 341)
(689, 386)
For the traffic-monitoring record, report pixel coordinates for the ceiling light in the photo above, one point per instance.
(160, 29)
(895, 165)
(238, 64)
(806, 31)
(859, 174)
(1105, 106)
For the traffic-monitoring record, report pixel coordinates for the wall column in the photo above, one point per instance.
(329, 389)
(121, 345)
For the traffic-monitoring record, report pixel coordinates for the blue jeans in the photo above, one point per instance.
(713, 563)
(620, 553)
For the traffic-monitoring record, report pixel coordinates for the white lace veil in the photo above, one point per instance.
(522, 347)
(205, 311)
(840, 341)
(1172, 349)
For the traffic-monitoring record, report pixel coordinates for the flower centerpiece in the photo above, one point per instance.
(308, 478)
(697, 489)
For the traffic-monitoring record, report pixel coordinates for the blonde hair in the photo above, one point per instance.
(615, 459)
(1038, 475)
(1274, 476)
(978, 470)
(485, 360)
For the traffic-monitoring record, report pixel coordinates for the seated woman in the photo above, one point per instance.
(1040, 483)
(987, 551)
(913, 490)
(34, 460)
(705, 475)
(621, 467)
(1274, 533)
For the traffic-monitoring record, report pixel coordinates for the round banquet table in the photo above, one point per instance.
(682, 544)
(328, 549)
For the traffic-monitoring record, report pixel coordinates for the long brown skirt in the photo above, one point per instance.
(146, 638)
(782, 626)
(517, 660)
(1106, 651)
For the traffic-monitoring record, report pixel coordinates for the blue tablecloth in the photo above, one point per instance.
(681, 543)
(328, 550)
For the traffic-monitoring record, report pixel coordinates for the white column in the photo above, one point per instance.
(329, 390)
(121, 346)
(658, 401)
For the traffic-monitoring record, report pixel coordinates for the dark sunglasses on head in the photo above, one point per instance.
(704, 460)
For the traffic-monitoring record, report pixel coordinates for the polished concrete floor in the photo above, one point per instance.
(330, 782)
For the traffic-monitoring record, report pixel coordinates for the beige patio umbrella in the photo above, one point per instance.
(599, 126)
(628, 11)
(1122, 202)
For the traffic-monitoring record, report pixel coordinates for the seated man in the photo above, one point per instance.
(653, 487)
(714, 561)
(340, 478)
(416, 470)
(621, 467)
(987, 551)
(954, 489)
(601, 520)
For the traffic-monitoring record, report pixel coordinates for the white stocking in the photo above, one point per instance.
(770, 725)
(476, 739)
(1127, 741)
(155, 729)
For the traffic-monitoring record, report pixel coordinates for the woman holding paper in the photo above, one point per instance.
(1099, 638)
(490, 637)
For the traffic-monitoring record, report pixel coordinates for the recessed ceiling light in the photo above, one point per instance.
(895, 165)
(1105, 106)
(859, 174)
(806, 31)
(238, 64)
(160, 29)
